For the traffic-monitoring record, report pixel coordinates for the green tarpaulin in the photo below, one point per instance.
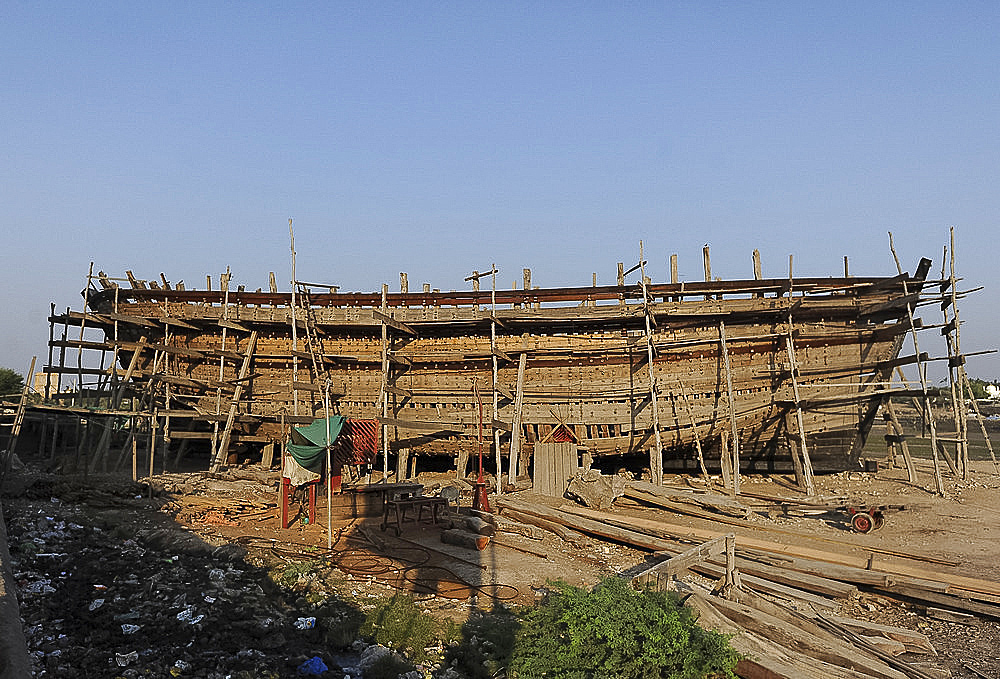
(307, 444)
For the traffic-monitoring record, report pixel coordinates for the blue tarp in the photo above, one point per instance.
(307, 444)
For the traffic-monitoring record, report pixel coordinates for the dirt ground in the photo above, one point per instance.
(196, 578)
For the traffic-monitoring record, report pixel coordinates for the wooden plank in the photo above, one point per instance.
(502, 355)
(555, 465)
(393, 323)
(675, 565)
(894, 304)
(439, 427)
(803, 639)
(515, 425)
(133, 320)
(176, 322)
(232, 325)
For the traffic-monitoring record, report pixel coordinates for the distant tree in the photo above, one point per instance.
(10, 382)
(978, 388)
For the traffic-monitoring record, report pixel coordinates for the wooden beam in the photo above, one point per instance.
(133, 320)
(169, 320)
(232, 325)
(675, 565)
(393, 323)
(440, 427)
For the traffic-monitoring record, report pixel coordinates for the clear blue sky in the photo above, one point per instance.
(437, 138)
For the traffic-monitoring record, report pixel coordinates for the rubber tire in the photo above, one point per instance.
(863, 523)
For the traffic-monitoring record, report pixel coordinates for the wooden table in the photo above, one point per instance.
(416, 502)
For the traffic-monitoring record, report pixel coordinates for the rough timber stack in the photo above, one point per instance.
(757, 361)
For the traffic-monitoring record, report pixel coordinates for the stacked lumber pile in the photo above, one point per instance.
(782, 600)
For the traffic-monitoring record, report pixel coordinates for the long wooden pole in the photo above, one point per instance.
(658, 480)
(957, 413)
(329, 468)
(732, 408)
(295, 337)
(515, 425)
(496, 379)
(963, 434)
(922, 374)
(807, 470)
(385, 385)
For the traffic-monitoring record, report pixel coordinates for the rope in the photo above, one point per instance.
(406, 570)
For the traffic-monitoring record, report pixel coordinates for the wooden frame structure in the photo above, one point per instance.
(756, 375)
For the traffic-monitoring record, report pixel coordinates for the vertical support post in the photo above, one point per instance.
(922, 374)
(385, 384)
(295, 337)
(496, 378)
(732, 409)
(890, 412)
(807, 470)
(647, 314)
(48, 373)
(707, 262)
(402, 459)
(329, 469)
(697, 438)
(962, 431)
(515, 425)
(725, 461)
(757, 273)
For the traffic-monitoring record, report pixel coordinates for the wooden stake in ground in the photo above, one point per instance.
(807, 470)
(657, 472)
(732, 409)
(921, 373)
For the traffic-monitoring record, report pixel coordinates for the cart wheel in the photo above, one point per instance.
(879, 521)
(863, 523)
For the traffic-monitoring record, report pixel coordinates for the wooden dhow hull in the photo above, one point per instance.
(750, 364)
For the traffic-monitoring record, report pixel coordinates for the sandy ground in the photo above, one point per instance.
(173, 539)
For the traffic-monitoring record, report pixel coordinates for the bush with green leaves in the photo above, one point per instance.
(487, 644)
(11, 383)
(616, 632)
(398, 623)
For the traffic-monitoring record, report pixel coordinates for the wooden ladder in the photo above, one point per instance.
(9, 438)
(223, 449)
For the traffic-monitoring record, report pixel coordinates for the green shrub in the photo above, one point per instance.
(616, 632)
(487, 644)
(397, 622)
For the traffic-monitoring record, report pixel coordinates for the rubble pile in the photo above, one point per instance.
(97, 603)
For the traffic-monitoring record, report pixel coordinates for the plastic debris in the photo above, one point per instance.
(130, 629)
(40, 587)
(188, 616)
(95, 604)
(305, 623)
(126, 659)
(313, 667)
